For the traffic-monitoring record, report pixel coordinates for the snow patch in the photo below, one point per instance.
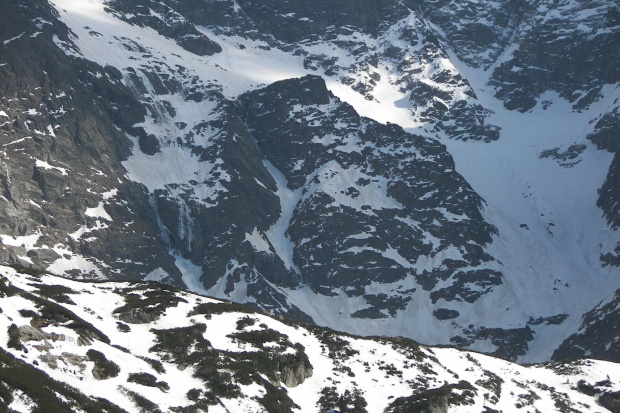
(277, 233)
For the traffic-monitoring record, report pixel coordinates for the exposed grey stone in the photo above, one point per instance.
(50, 359)
(28, 333)
(294, 370)
(75, 360)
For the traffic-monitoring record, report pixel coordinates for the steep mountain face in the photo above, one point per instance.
(61, 153)
(372, 205)
(430, 169)
(133, 347)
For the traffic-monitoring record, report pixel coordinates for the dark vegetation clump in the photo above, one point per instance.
(55, 292)
(175, 342)
(438, 399)
(568, 367)
(194, 394)
(271, 360)
(14, 341)
(246, 321)
(149, 306)
(28, 314)
(58, 314)
(586, 388)
(146, 379)
(104, 368)
(563, 403)
(338, 348)
(144, 404)
(121, 348)
(276, 400)
(209, 309)
(259, 338)
(493, 383)
(122, 327)
(349, 401)
(220, 383)
(407, 347)
(155, 364)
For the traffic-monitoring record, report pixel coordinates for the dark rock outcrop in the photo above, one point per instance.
(551, 39)
(609, 194)
(294, 369)
(598, 336)
(610, 401)
(606, 132)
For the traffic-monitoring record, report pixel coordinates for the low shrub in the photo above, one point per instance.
(104, 368)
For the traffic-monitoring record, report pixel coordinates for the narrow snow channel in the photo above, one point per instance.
(277, 233)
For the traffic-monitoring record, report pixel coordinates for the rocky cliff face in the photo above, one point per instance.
(66, 204)
(402, 168)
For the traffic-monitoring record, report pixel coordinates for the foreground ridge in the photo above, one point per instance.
(67, 345)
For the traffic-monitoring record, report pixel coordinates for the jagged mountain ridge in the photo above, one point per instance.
(125, 347)
(231, 222)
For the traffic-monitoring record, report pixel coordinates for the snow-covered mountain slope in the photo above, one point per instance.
(424, 169)
(79, 346)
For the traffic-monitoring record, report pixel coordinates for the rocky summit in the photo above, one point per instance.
(445, 171)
